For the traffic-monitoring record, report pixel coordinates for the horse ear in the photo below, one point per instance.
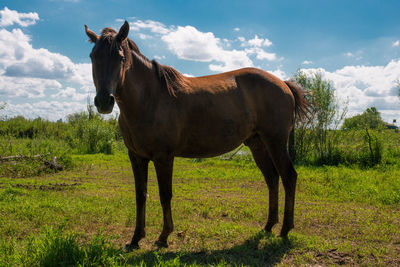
(123, 32)
(92, 36)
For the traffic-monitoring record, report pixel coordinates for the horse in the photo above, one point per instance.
(164, 114)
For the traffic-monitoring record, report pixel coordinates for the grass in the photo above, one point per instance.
(84, 216)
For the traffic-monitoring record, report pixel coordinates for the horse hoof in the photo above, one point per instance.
(268, 228)
(285, 231)
(161, 244)
(130, 247)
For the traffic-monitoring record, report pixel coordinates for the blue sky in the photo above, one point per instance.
(45, 68)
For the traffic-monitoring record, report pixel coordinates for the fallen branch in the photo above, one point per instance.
(52, 164)
(22, 157)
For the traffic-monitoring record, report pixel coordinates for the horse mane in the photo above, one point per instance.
(170, 79)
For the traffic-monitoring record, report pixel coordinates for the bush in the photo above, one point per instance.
(92, 134)
(370, 119)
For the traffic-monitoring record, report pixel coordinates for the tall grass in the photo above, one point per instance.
(83, 132)
(365, 148)
(57, 247)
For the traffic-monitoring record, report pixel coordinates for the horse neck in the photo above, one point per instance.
(139, 85)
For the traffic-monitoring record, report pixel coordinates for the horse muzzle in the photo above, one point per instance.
(104, 103)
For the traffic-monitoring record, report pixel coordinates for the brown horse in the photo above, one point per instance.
(164, 114)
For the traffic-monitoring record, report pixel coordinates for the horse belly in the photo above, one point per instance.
(210, 136)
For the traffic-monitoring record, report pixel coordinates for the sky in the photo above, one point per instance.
(45, 69)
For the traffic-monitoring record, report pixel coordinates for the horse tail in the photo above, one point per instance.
(302, 106)
(301, 110)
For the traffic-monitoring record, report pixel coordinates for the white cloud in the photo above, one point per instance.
(396, 44)
(255, 47)
(144, 36)
(19, 59)
(157, 57)
(279, 73)
(236, 29)
(190, 44)
(28, 74)
(366, 86)
(11, 87)
(307, 62)
(261, 54)
(52, 110)
(153, 26)
(259, 42)
(9, 17)
(71, 93)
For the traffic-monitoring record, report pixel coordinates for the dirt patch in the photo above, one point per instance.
(336, 257)
(48, 187)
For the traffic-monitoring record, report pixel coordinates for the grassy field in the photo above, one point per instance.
(84, 215)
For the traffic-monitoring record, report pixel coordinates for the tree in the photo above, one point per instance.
(326, 115)
(370, 119)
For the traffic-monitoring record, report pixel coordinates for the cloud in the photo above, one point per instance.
(19, 59)
(157, 57)
(279, 73)
(153, 26)
(52, 110)
(190, 44)
(261, 54)
(144, 36)
(259, 42)
(357, 55)
(307, 62)
(236, 29)
(71, 93)
(23, 87)
(367, 86)
(9, 17)
(28, 74)
(396, 43)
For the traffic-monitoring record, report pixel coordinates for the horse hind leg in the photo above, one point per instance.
(265, 164)
(281, 159)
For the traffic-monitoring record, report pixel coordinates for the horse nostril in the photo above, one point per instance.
(112, 100)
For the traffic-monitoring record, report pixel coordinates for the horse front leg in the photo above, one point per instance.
(140, 169)
(164, 168)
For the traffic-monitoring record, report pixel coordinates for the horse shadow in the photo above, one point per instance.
(262, 249)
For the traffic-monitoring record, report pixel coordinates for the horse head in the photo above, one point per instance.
(109, 63)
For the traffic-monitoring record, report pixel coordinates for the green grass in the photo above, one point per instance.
(84, 216)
